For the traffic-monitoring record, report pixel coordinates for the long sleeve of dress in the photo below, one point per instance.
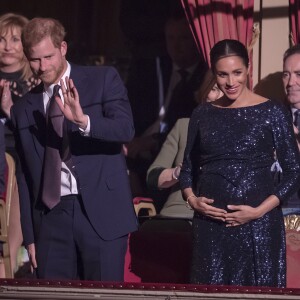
(287, 153)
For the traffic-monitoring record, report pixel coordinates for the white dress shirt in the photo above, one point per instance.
(68, 181)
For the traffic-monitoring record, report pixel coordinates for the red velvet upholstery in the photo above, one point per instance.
(293, 258)
(159, 252)
(137, 200)
(59, 289)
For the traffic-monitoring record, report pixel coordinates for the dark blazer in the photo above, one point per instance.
(98, 159)
(294, 200)
(142, 85)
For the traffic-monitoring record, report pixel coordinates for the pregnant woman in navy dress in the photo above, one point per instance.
(238, 229)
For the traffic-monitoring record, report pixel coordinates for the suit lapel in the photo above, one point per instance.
(36, 120)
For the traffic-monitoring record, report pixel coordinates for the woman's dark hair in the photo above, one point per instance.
(227, 48)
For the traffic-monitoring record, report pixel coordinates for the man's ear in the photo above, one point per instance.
(63, 48)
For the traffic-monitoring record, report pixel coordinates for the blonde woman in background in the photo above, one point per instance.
(15, 74)
(16, 79)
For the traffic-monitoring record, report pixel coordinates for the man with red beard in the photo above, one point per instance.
(75, 199)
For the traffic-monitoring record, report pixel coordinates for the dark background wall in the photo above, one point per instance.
(104, 31)
(92, 25)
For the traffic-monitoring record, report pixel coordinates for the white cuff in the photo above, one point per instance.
(87, 131)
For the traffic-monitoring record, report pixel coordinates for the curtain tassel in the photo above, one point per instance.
(255, 36)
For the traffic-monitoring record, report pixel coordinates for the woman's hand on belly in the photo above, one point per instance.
(244, 213)
(204, 207)
(241, 214)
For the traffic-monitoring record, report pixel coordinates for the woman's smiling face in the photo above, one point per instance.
(231, 75)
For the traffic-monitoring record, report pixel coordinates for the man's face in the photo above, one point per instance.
(291, 79)
(47, 62)
(180, 43)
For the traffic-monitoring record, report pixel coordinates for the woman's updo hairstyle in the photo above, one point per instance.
(227, 48)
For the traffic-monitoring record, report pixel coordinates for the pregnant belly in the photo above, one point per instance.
(250, 189)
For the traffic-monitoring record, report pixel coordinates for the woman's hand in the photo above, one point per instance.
(204, 207)
(241, 214)
(6, 100)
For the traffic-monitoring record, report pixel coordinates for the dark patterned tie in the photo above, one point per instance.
(52, 158)
(179, 106)
(297, 118)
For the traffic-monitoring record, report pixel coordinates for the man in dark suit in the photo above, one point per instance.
(291, 83)
(162, 91)
(84, 234)
(152, 85)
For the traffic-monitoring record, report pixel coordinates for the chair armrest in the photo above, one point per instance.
(144, 203)
(138, 200)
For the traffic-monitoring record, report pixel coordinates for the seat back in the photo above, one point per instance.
(11, 182)
(5, 212)
(144, 203)
(292, 228)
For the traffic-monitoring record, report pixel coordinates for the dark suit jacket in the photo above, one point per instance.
(294, 200)
(99, 163)
(142, 85)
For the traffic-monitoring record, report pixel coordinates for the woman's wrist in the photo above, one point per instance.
(176, 173)
(187, 201)
(270, 203)
(259, 211)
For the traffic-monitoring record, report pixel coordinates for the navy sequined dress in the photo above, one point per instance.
(228, 158)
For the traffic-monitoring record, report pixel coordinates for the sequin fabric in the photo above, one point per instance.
(228, 158)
